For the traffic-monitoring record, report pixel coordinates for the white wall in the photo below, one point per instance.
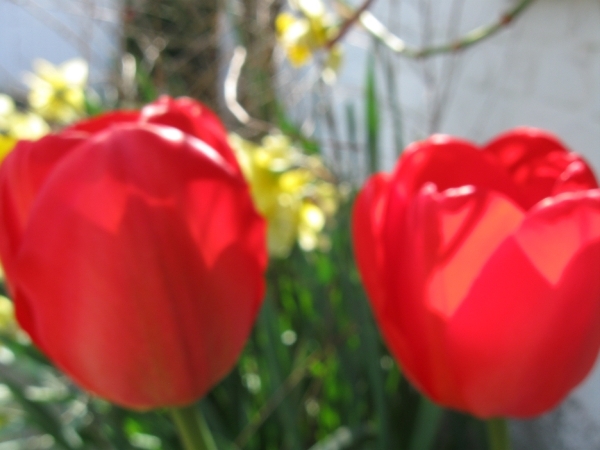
(543, 70)
(57, 30)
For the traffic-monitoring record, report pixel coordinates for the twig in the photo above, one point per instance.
(348, 24)
(231, 86)
(377, 29)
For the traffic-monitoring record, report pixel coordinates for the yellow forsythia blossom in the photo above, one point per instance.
(8, 322)
(57, 92)
(15, 125)
(6, 145)
(302, 36)
(290, 190)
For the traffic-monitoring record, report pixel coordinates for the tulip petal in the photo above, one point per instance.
(508, 363)
(22, 175)
(467, 227)
(449, 236)
(578, 176)
(557, 229)
(487, 267)
(537, 162)
(100, 123)
(449, 162)
(193, 118)
(367, 220)
(151, 301)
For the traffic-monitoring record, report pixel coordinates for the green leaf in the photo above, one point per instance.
(388, 60)
(372, 116)
(426, 425)
(268, 322)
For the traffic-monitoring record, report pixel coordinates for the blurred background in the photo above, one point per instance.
(542, 70)
(408, 68)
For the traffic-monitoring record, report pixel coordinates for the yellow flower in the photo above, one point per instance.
(57, 93)
(293, 36)
(302, 36)
(28, 126)
(6, 145)
(8, 323)
(290, 190)
(7, 109)
(312, 221)
(15, 125)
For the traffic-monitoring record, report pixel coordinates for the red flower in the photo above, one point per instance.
(482, 267)
(133, 252)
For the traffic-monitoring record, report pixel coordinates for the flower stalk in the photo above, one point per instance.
(498, 435)
(192, 428)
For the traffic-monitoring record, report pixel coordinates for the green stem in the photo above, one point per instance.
(499, 437)
(192, 428)
(427, 421)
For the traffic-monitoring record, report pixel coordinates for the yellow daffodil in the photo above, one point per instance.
(57, 92)
(302, 36)
(15, 125)
(290, 190)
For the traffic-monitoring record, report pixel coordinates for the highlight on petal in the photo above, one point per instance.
(467, 226)
(193, 118)
(577, 177)
(557, 229)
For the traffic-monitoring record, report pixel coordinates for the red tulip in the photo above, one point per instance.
(483, 269)
(133, 252)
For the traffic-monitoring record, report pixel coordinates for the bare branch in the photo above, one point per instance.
(231, 86)
(348, 23)
(377, 29)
